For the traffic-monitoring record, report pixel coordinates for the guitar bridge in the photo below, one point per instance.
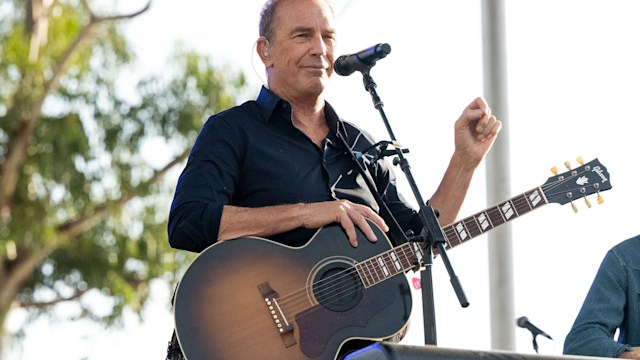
(275, 312)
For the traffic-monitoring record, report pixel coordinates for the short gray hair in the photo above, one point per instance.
(267, 16)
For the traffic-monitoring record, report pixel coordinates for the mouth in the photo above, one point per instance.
(318, 69)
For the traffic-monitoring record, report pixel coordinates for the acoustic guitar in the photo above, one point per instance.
(252, 298)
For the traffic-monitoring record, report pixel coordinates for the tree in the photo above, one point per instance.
(80, 208)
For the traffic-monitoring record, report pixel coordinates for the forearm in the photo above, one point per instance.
(602, 313)
(263, 221)
(451, 192)
(592, 339)
(269, 220)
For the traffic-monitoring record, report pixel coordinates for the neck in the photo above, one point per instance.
(306, 110)
(308, 115)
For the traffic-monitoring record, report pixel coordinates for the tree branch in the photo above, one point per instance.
(17, 149)
(95, 18)
(46, 304)
(23, 268)
(78, 226)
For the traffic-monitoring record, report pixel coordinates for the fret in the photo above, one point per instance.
(508, 210)
(384, 266)
(403, 247)
(461, 231)
(406, 256)
(366, 279)
(496, 216)
(384, 269)
(472, 225)
(390, 257)
(417, 252)
(536, 198)
(363, 277)
(395, 261)
(412, 255)
(371, 274)
(475, 225)
(373, 266)
(484, 221)
(522, 204)
(448, 233)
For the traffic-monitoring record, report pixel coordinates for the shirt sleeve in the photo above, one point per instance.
(206, 184)
(602, 313)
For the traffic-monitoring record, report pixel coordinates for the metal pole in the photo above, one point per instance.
(498, 180)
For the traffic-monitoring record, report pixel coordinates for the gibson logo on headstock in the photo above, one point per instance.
(583, 180)
(600, 172)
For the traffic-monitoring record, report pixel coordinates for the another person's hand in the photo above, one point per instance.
(349, 215)
(476, 131)
(634, 354)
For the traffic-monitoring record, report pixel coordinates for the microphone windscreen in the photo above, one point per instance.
(522, 321)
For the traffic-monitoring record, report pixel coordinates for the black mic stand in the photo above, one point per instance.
(432, 235)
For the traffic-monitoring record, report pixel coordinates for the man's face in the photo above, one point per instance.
(301, 51)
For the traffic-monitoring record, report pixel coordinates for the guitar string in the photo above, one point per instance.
(367, 266)
(345, 277)
(473, 227)
(330, 286)
(471, 223)
(329, 282)
(517, 202)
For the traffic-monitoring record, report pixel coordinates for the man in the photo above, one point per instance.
(612, 304)
(257, 169)
(278, 167)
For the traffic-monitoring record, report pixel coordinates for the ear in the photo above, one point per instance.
(262, 47)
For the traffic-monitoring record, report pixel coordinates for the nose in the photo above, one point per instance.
(318, 45)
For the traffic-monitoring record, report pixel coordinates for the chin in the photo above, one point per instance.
(317, 87)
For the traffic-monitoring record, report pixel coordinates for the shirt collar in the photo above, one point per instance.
(268, 102)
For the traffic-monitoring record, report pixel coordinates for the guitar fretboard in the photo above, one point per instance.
(472, 226)
(390, 263)
(406, 256)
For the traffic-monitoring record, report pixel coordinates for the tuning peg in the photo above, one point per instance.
(600, 199)
(586, 201)
(567, 165)
(574, 207)
(554, 170)
(579, 160)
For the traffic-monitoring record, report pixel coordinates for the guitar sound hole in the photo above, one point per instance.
(337, 287)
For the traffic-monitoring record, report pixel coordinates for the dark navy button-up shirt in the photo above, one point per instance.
(252, 156)
(612, 304)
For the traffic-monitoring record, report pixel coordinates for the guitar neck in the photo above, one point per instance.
(475, 225)
(408, 255)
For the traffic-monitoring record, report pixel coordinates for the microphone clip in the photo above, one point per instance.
(381, 150)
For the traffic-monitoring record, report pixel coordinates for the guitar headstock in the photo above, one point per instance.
(584, 180)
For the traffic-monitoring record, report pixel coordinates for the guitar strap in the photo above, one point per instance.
(174, 352)
(396, 234)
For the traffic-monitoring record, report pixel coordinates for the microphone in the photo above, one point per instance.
(345, 65)
(523, 322)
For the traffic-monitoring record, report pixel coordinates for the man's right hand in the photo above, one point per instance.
(349, 215)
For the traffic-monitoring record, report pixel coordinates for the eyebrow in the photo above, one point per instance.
(331, 31)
